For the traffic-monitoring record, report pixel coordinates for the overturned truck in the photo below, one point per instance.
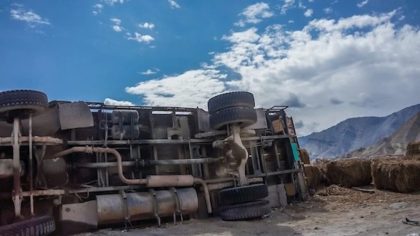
(75, 166)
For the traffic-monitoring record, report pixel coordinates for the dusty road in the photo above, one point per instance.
(332, 211)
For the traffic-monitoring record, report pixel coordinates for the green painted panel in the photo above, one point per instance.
(295, 151)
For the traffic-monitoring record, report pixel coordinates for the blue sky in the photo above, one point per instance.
(328, 60)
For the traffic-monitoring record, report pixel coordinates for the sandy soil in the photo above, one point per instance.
(332, 211)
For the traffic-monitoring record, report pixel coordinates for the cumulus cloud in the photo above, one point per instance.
(31, 18)
(173, 4)
(97, 9)
(116, 24)
(287, 4)
(367, 61)
(362, 3)
(254, 14)
(192, 88)
(110, 101)
(308, 13)
(147, 25)
(141, 38)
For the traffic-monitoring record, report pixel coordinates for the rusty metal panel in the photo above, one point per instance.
(84, 213)
(75, 115)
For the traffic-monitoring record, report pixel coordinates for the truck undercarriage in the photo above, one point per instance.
(74, 166)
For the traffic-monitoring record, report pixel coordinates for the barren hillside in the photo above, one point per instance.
(396, 144)
(355, 133)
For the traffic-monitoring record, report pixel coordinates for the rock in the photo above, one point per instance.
(398, 205)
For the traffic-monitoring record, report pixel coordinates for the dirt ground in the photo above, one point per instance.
(331, 211)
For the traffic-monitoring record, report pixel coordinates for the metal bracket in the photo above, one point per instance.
(177, 206)
(240, 152)
(127, 221)
(155, 206)
(17, 190)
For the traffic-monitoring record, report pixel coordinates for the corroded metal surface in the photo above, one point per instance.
(110, 208)
(155, 181)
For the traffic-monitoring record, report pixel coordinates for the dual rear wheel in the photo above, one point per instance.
(232, 108)
(244, 202)
(19, 103)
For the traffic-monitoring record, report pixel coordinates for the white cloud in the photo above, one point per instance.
(357, 21)
(150, 71)
(31, 18)
(112, 2)
(141, 38)
(362, 3)
(308, 13)
(97, 9)
(328, 10)
(287, 4)
(174, 4)
(192, 88)
(147, 25)
(110, 101)
(254, 14)
(326, 71)
(116, 25)
(116, 21)
(117, 28)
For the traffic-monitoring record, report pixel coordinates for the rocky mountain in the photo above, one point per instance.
(355, 133)
(396, 144)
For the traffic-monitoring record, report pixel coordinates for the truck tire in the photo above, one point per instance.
(232, 99)
(245, 211)
(37, 226)
(27, 100)
(244, 116)
(242, 194)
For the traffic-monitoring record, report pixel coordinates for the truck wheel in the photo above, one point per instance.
(22, 100)
(37, 226)
(245, 211)
(232, 99)
(242, 194)
(244, 116)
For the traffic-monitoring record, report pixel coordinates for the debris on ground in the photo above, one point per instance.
(411, 222)
(363, 190)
